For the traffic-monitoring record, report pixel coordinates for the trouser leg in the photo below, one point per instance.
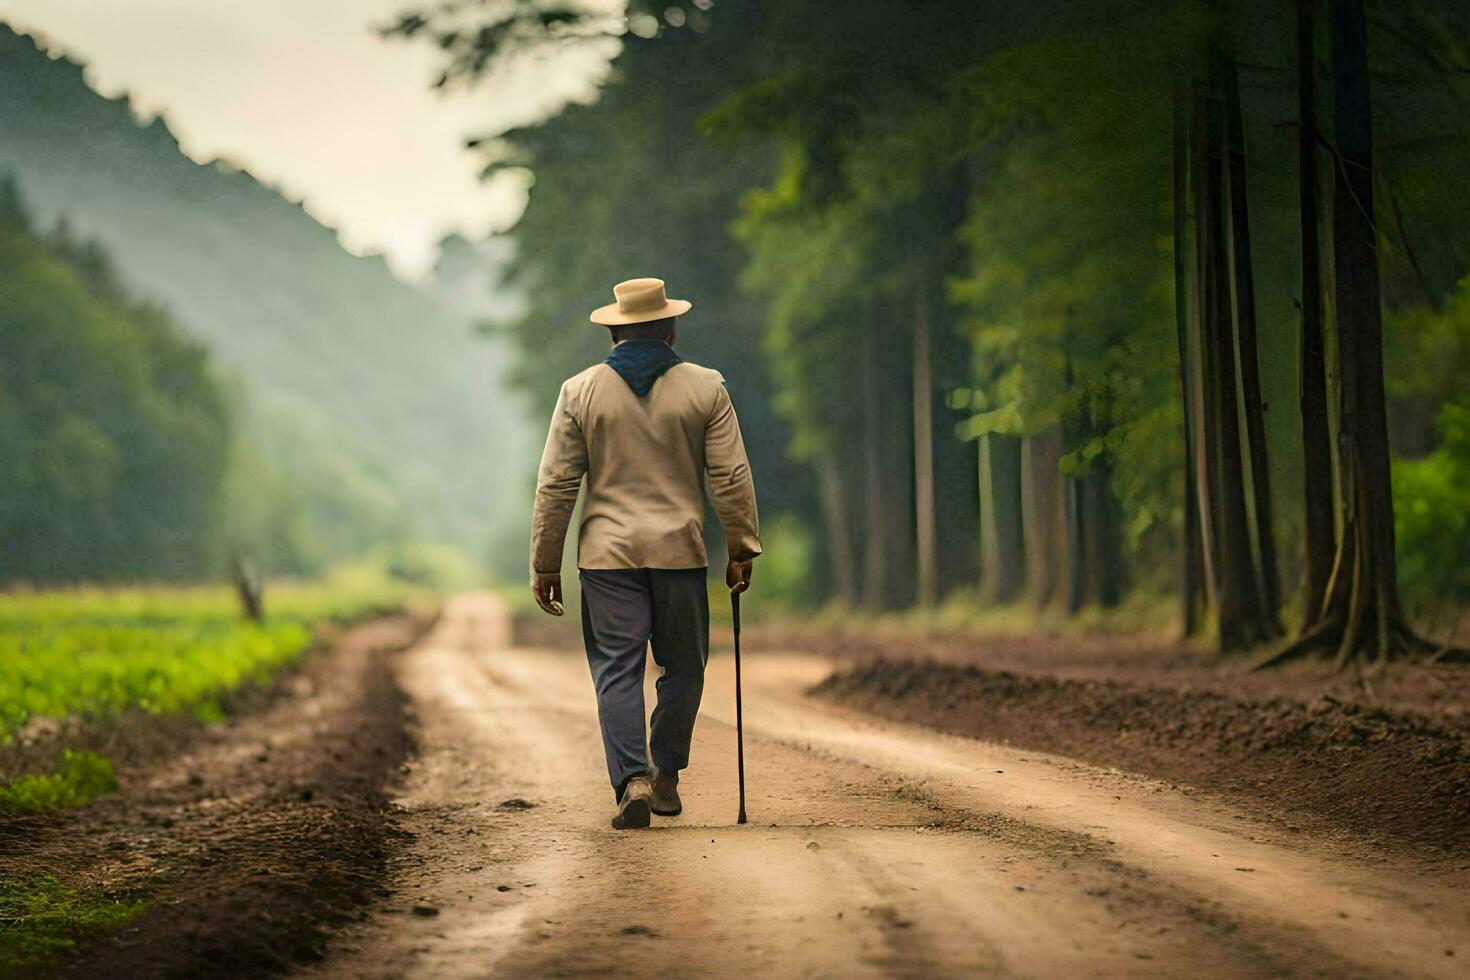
(617, 619)
(681, 648)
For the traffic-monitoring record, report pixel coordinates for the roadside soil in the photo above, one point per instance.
(1379, 759)
(1305, 744)
(1394, 779)
(1143, 659)
(874, 848)
(247, 840)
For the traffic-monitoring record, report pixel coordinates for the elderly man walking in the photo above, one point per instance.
(646, 428)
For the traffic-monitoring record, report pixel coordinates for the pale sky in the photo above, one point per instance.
(306, 96)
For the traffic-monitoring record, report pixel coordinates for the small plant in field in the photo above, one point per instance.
(40, 917)
(84, 776)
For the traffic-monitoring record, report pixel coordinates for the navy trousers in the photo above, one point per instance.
(622, 610)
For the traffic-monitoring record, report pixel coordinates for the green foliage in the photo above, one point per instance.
(113, 430)
(42, 916)
(809, 265)
(127, 459)
(432, 566)
(606, 207)
(789, 574)
(1432, 513)
(84, 776)
(100, 668)
(300, 496)
(1425, 351)
(96, 653)
(1075, 329)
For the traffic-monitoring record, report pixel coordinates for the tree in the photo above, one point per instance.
(851, 244)
(1070, 331)
(1236, 543)
(1193, 592)
(1242, 271)
(1361, 615)
(1318, 532)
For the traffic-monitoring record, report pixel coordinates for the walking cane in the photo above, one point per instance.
(739, 721)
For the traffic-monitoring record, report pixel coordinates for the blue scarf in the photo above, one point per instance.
(642, 362)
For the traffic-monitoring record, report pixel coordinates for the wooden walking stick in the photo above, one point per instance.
(739, 721)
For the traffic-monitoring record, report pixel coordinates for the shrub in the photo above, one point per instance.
(84, 776)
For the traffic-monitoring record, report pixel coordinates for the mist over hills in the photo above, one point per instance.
(389, 375)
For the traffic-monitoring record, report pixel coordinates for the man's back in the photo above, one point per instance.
(645, 459)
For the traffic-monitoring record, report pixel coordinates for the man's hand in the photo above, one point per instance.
(737, 575)
(547, 590)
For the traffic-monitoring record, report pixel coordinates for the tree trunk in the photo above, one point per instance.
(1240, 617)
(1001, 549)
(1317, 520)
(1373, 612)
(1248, 363)
(1102, 549)
(875, 552)
(924, 508)
(1040, 514)
(1191, 595)
(1091, 532)
(956, 463)
(897, 442)
(249, 588)
(1075, 535)
(839, 527)
(957, 493)
(1201, 394)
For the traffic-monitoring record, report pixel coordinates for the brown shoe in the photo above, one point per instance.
(633, 810)
(665, 801)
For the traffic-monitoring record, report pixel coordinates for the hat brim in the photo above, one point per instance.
(611, 316)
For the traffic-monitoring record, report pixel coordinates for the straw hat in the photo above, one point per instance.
(639, 300)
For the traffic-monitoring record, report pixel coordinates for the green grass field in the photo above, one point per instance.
(96, 654)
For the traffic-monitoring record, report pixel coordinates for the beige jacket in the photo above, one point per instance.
(645, 460)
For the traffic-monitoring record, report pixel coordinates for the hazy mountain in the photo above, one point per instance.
(397, 373)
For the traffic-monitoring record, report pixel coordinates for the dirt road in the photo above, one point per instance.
(874, 849)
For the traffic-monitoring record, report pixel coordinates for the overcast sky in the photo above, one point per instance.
(306, 96)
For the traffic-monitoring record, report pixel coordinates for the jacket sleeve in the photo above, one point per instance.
(730, 484)
(558, 480)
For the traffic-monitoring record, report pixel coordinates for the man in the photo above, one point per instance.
(646, 428)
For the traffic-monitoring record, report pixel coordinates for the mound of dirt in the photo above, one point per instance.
(253, 839)
(1398, 777)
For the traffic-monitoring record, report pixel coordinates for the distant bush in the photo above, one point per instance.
(432, 565)
(786, 574)
(1432, 513)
